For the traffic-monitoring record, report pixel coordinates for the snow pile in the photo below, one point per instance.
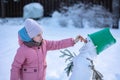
(33, 10)
(81, 69)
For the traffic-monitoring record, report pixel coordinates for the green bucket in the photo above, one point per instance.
(102, 39)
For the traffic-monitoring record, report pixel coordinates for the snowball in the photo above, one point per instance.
(33, 10)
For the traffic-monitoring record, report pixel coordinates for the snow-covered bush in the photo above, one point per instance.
(60, 18)
(33, 10)
(93, 15)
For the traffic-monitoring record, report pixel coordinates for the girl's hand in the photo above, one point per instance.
(80, 38)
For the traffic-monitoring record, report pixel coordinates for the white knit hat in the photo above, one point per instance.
(32, 28)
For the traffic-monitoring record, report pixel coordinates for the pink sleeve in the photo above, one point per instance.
(16, 65)
(54, 45)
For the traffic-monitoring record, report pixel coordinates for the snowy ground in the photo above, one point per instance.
(107, 62)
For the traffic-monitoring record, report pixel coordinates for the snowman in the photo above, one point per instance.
(83, 63)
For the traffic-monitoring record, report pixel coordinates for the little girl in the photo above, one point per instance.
(30, 60)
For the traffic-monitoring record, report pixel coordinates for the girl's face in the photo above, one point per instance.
(38, 38)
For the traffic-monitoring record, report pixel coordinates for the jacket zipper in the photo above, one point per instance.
(38, 63)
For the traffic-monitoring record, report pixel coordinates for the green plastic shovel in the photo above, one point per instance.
(102, 39)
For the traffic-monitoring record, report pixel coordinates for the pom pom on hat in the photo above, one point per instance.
(32, 28)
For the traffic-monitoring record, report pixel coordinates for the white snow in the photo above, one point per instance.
(107, 62)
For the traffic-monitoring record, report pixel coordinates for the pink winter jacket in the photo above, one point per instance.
(30, 63)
